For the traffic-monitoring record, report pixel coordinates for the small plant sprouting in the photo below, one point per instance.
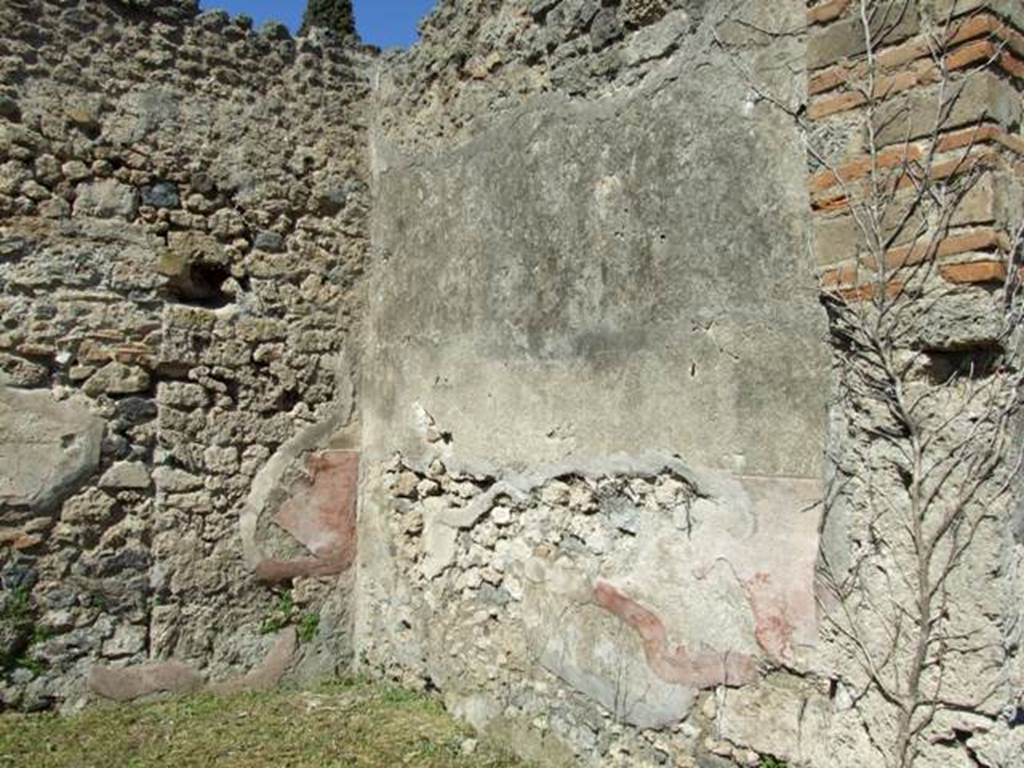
(280, 616)
(286, 613)
(308, 626)
(31, 664)
(41, 634)
(100, 601)
(17, 607)
(17, 620)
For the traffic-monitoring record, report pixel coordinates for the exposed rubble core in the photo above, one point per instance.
(537, 366)
(561, 595)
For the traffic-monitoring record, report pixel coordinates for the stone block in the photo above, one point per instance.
(55, 208)
(12, 175)
(85, 111)
(169, 480)
(47, 448)
(75, 170)
(129, 475)
(892, 22)
(657, 40)
(163, 194)
(19, 372)
(106, 199)
(195, 247)
(984, 97)
(181, 395)
(222, 460)
(606, 28)
(269, 241)
(117, 379)
(127, 640)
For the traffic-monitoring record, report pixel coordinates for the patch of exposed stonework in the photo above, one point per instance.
(476, 59)
(580, 594)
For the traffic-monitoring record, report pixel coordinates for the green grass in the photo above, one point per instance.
(346, 725)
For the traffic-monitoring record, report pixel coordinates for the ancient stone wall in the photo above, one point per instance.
(594, 442)
(639, 479)
(182, 236)
(590, 500)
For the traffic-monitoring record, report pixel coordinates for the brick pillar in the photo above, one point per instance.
(943, 284)
(985, 56)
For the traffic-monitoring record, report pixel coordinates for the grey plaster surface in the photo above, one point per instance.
(588, 277)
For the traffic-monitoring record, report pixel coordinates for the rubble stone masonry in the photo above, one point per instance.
(505, 367)
(183, 232)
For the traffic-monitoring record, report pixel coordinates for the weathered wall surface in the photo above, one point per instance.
(641, 244)
(581, 397)
(182, 207)
(920, 562)
(594, 374)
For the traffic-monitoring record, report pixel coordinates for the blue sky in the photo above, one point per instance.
(380, 22)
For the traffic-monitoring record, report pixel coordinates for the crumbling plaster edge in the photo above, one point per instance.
(268, 478)
(517, 484)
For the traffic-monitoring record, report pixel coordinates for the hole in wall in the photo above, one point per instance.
(941, 366)
(430, 686)
(287, 400)
(200, 284)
